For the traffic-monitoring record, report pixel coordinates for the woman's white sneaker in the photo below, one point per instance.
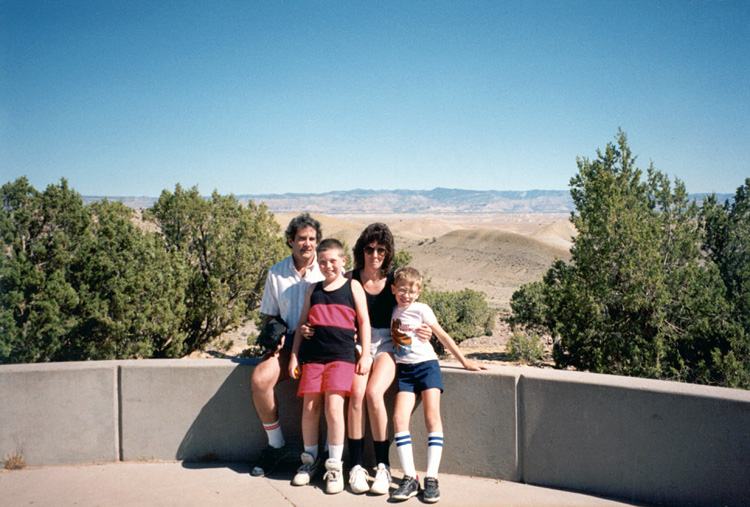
(358, 477)
(382, 483)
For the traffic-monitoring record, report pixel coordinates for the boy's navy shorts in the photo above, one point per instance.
(417, 377)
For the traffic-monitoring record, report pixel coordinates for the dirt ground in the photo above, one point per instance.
(492, 253)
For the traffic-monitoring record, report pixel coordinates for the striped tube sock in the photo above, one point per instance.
(405, 454)
(275, 436)
(434, 453)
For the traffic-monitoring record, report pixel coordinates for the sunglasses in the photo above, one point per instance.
(370, 250)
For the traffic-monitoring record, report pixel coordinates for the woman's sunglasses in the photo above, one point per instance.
(370, 250)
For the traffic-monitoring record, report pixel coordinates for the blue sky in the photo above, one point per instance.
(253, 97)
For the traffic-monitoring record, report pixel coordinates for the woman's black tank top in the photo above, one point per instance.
(379, 306)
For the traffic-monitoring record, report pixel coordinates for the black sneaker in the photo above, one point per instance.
(408, 488)
(431, 492)
(269, 458)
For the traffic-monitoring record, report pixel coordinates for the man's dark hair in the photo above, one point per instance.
(300, 222)
(375, 232)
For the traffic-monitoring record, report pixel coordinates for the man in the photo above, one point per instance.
(283, 296)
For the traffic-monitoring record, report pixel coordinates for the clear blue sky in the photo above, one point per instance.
(132, 97)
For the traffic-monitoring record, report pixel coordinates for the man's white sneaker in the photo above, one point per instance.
(334, 476)
(382, 483)
(358, 477)
(307, 471)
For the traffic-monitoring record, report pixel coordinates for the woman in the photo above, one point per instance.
(373, 261)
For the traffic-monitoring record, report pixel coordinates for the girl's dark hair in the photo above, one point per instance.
(300, 222)
(380, 233)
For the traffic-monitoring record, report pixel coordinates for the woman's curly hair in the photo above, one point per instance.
(380, 233)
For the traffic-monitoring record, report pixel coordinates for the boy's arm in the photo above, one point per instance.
(363, 318)
(446, 340)
(294, 358)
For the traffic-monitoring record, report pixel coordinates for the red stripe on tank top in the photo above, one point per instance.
(333, 315)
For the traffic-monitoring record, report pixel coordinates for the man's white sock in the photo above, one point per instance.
(275, 436)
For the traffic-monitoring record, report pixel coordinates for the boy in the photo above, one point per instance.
(418, 371)
(336, 308)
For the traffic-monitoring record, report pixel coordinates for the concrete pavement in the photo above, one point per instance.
(144, 483)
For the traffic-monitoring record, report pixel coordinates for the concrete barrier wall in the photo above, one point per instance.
(194, 409)
(59, 413)
(635, 439)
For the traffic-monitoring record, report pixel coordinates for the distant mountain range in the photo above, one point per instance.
(438, 200)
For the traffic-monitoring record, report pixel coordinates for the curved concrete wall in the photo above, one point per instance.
(635, 439)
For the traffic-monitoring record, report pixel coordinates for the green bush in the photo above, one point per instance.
(525, 347)
(463, 314)
(402, 258)
(528, 307)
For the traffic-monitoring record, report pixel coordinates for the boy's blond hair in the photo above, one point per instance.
(407, 274)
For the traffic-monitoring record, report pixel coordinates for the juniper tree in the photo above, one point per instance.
(229, 249)
(638, 297)
(81, 282)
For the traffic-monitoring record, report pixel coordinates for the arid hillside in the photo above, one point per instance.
(494, 254)
(494, 262)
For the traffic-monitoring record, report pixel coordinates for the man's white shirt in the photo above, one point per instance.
(284, 293)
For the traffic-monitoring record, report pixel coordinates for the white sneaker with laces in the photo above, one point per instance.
(382, 483)
(334, 476)
(358, 477)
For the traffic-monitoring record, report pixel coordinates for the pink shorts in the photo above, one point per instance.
(319, 378)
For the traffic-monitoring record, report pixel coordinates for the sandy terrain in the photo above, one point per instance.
(492, 253)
